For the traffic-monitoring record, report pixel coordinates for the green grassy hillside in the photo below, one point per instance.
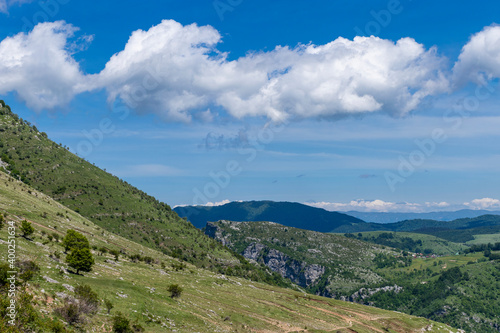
(210, 302)
(109, 202)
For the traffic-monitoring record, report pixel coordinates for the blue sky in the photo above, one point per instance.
(362, 105)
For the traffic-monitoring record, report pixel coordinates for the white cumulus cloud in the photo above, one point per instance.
(39, 66)
(176, 71)
(484, 203)
(479, 60)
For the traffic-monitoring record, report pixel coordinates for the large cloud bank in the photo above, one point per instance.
(177, 72)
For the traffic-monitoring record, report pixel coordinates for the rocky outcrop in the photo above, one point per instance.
(363, 293)
(212, 231)
(252, 251)
(297, 271)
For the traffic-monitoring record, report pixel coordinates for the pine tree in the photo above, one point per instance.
(80, 259)
(27, 229)
(74, 239)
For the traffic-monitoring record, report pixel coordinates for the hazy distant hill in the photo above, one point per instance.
(459, 230)
(290, 214)
(377, 217)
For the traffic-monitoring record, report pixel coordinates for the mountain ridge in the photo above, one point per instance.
(288, 213)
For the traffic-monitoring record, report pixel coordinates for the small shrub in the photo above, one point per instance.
(27, 270)
(137, 328)
(115, 253)
(109, 305)
(88, 299)
(4, 269)
(121, 324)
(175, 290)
(56, 326)
(148, 260)
(70, 312)
(178, 266)
(103, 251)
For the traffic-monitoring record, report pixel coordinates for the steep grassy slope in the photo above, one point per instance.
(209, 303)
(106, 200)
(291, 214)
(326, 264)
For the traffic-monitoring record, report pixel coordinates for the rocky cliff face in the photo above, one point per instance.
(325, 264)
(211, 230)
(301, 273)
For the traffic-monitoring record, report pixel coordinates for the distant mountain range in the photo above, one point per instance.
(287, 213)
(317, 219)
(377, 217)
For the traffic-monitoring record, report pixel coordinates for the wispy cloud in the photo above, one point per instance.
(367, 176)
(215, 141)
(6, 4)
